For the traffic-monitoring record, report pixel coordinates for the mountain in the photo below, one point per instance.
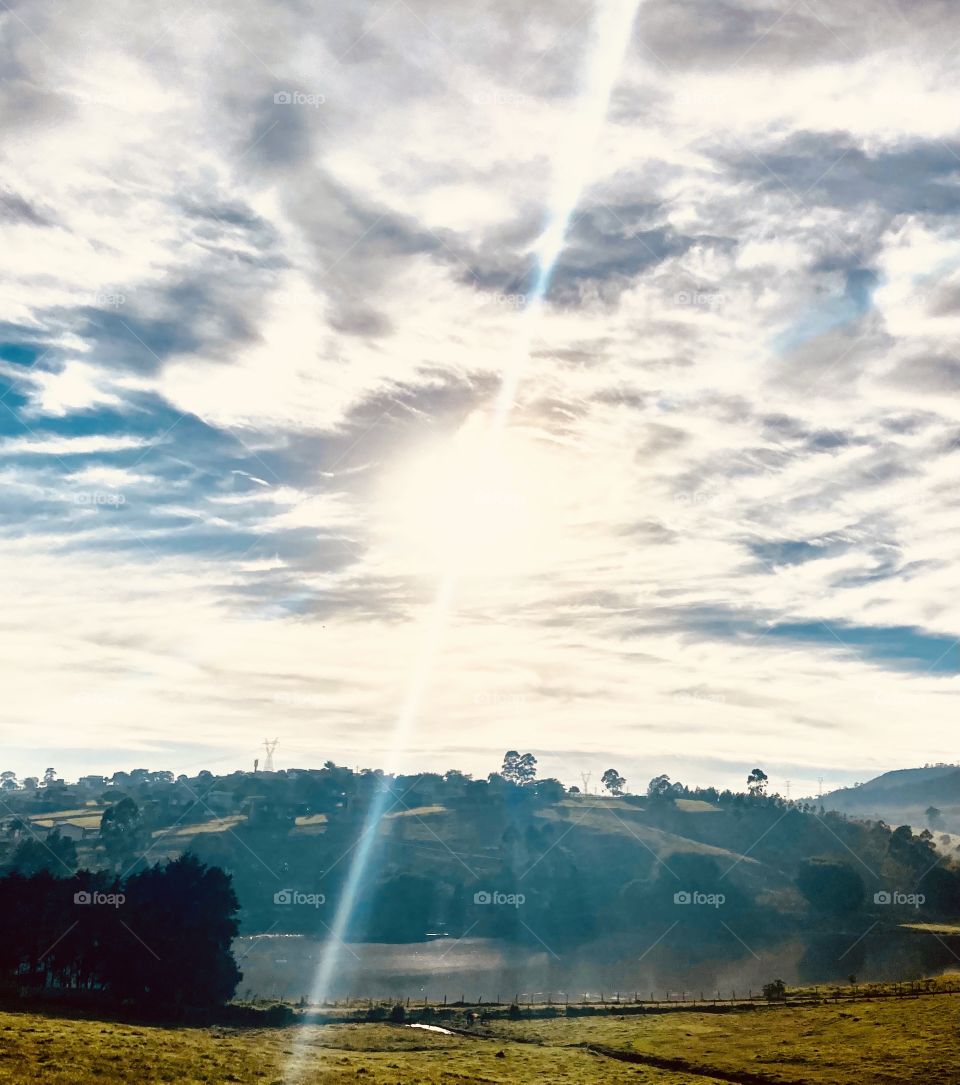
(903, 797)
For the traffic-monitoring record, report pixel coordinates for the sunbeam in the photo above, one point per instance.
(572, 172)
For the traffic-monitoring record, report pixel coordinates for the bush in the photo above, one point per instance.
(398, 1014)
(775, 991)
(277, 1016)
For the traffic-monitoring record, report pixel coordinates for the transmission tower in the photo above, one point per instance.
(269, 745)
(585, 779)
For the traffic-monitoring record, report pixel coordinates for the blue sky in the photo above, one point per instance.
(264, 272)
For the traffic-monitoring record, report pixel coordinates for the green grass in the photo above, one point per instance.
(886, 1042)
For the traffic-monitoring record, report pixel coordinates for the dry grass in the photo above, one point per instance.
(892, 1042)
(913, 1041)
(64, 1052)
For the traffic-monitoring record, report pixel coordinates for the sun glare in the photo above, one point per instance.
(477, 503)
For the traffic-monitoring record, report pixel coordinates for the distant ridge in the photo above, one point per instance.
(903, 796)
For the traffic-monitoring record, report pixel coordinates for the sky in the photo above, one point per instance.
(266, 270)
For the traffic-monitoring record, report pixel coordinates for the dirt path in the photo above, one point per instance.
(659, 1062)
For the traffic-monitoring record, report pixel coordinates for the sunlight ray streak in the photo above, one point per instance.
(573, 167)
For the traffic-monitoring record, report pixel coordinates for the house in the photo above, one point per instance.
(264, 813)
(220, 802)
(68, 831)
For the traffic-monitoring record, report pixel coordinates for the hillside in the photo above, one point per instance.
(578, 869)
(902, 797)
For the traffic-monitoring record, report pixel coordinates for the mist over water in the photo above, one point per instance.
(492, 970)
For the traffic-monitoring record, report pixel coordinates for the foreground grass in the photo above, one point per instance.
(893, 1041)
(70, 1052)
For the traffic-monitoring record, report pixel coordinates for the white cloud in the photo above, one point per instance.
(340, 287)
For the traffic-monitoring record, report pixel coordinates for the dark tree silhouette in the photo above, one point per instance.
(122, 831)
(660, 787)
(57, 854)
(831, 886)
(757, 782)
(518, 768)
(172, 951)
(613, 782)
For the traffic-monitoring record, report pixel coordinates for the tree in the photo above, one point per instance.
(518, 768)
(757, 782)
(184, 916)
(122, 831)
(613, 782)
(57, 854)
(403, 908)
(49, 777)
(660, 787)
(933, 816)
(941, 887)
(549, 791)
(831, 886)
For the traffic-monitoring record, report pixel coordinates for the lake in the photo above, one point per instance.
(283, 966)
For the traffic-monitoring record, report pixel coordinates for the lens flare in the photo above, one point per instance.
(572, 172)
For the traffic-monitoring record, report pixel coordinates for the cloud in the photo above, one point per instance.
(265, 275)
(67, 446)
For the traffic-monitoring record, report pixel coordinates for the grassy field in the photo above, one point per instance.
(895, 1041)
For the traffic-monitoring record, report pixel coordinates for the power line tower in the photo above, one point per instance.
(585, 780)
(269, 745)
(788, 790)
(819, 787)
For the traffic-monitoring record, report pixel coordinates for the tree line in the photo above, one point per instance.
(157, 939)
